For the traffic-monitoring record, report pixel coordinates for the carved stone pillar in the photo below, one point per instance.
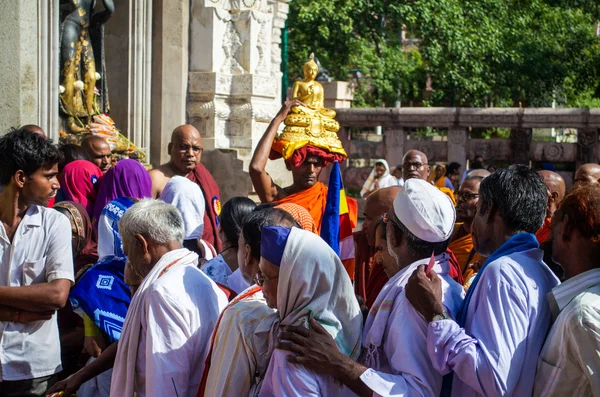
(520, 144)
(394, 146)
(457, 145)
(587, 139)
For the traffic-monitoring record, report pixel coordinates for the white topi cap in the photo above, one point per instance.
(427, 212)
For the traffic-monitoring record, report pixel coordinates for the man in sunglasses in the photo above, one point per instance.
(185, 150)
(461, 242)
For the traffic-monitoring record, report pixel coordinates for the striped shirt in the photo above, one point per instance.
(569, 364)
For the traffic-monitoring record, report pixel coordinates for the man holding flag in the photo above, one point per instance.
(305, 156)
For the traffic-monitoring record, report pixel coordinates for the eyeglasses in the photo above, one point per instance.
(466, 196)
(261, 279)
(186, 148)
(416, 165)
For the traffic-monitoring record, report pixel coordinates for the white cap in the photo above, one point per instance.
(427, 212)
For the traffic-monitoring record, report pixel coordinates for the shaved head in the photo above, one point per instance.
(185, 149)
(415, 165)
(377, 204)
(34, 129)
(99, 151)
(587, 174)
(480, 173)
(556, 190)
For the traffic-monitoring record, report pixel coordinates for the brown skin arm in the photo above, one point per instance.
(8, 313)
(316, 350)
(41, 297)
(424, 292)
(70, 385)
(264, 186)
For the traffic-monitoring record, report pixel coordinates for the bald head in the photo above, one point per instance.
(556, 190)
(377, 204)
(587, 174)
(185, 149)
(479, 173)
(99, 151)
(34, 129)
(415, 165)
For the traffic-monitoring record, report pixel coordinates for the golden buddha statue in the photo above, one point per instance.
(312, 119)
(310, 123)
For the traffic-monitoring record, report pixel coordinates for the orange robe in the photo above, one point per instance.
(544, 232)
(314, 199)
(462, 247)
(449, 193)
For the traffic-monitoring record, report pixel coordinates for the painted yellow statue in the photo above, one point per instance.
(310, 123)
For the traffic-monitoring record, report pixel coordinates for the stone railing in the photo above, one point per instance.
(519, 148)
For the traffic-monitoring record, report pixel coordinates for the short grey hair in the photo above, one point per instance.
(156, 219)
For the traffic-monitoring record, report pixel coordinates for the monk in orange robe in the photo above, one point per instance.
(305, 164)
(556, 192)
(461, 242)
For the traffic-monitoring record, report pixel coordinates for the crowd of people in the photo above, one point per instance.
(126, 282)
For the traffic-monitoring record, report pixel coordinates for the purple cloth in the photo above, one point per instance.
(128, 178)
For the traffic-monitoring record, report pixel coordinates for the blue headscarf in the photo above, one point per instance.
(272, 243)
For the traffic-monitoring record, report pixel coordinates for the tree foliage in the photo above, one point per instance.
(477, 53)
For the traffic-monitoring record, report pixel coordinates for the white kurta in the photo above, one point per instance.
(507, 321)
(404, 366)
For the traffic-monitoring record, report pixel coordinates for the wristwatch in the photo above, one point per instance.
(442, 316)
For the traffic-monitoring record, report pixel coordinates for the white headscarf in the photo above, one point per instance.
(313, 282)
(189, 200)
(370, 182)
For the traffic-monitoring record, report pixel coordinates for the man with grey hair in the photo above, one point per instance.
(166, 335)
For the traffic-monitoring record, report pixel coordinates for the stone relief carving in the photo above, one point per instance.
(586, 137)
(231, 48)
(553, 152)
(262, 46)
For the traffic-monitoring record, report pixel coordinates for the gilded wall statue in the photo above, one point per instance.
(84, 90)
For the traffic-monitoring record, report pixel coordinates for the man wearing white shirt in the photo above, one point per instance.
(167, 330)
(493, 346)
(569, 364)
(394, 359)
(36, 264)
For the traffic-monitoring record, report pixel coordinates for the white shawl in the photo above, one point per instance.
(313, 282)
(123, 379)
(189, 200)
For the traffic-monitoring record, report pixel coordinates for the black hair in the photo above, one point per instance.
(379, 164)
(22, 150)
(263, 206)
(255, 221)
(452, 167)
(232, 217)
(519, 194)
(419, 247)
(71, 152)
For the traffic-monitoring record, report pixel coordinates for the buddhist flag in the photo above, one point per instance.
(339, 218)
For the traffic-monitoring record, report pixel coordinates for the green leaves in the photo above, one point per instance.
(477, 53)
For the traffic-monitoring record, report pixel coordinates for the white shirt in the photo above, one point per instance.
(180, 313)
(569, 364)
(40, 252)
(507, 321)
(387, 181)
(405, 368)
(284, 379)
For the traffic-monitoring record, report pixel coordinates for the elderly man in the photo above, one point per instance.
(36, 264)
(99, 152)
(569, 364)
(394, 359)
(185, 150)
(232, 370)
(370, 277)
(461, 242)
(171, 317)
(493, 345)
(34, 129)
